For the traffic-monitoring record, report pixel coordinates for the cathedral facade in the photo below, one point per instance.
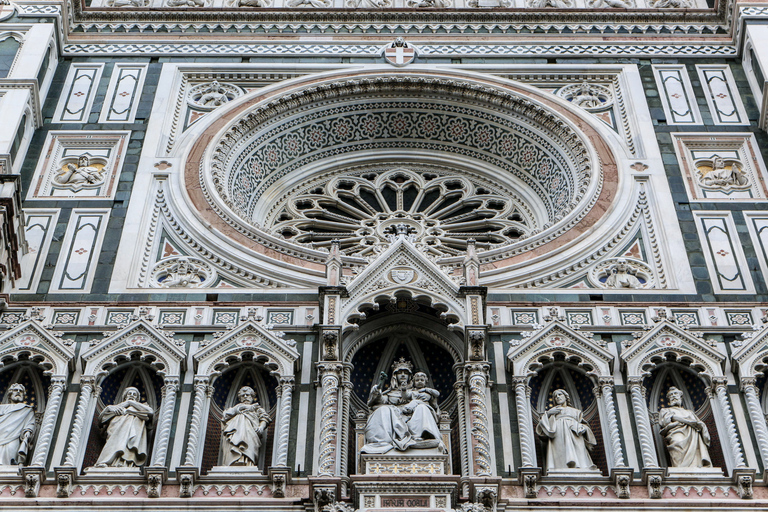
(378, 255)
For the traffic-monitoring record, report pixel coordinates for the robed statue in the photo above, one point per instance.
(686, 436)
(242, 427)
(126, 424)
(403, 416)
(17, 423)
(569, 438)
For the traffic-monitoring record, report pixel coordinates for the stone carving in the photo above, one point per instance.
(425, 4)
(17, 423)
(323, 4)
(214, 94)
(404, 415)
(587, 95)
(127, 3)
(242, 427)
(568, 436)
(556, 4)
(673, 4)
(182, 272)
(80, 175)
(622, 273)
(248, 3)
(686, 436)
(615, 4)
(721, 174)
(126, 422)
(185, 3)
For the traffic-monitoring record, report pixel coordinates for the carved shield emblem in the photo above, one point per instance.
(402, 275)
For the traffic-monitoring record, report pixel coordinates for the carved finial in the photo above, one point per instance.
(333, 264)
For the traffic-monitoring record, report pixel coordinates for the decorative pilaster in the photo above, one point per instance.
(286, 399)
(756, 414)
(202, 395)
(49, 421)
(524, 422)
(606, 390)
(477, 378)
(329, 375)
(460, 389)
(643, 422)
(87, 391)
(165, 421)
(346, 392)
(721, 392)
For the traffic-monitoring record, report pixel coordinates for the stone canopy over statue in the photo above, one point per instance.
(126, 424)
(17, 423)
(569, 439)
(685, 435)
(405, 415)
(242, 427)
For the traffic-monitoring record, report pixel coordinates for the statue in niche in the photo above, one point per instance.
(17, 423)
(621, 275)
(569, 438)
(402, 417)
(724, 176)
(126, 422)
(242, 427)
(686, 436)
(81, 175)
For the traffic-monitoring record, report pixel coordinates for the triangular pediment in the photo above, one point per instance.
(152, 345)
(273, 351)
(403, 270)
(667, 341)
(32, 340)
(751, 358)
(528, 355)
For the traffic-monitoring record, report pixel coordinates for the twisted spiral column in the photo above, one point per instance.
(329, 380)
(346, 391)
(481, 443)
(756, 414)
(643, 422)
(167, 407)
(49, 421)
(286, 398)
(87, 391)
(721, 391)
(524, 422)
(461, 404)
(606, 387)
(202, 394)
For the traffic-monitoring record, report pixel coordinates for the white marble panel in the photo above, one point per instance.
(722, 96)
(723, 253)
(80, 88)
(38, 232)
(676, 93)
(124, 92)
(80, 250)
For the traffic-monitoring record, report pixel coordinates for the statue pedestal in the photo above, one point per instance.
(13, 472)
(572, 473)
(112, 472)
(417, 480)
(694, 473)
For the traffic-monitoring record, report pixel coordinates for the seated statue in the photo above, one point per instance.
(386, 427)
(126, 422)
(685, 435)
(17, 422)
(568, 436)
(82, 174)
(242, 427)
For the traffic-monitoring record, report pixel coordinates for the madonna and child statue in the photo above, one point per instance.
(404, 416)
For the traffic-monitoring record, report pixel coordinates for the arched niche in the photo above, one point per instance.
(137, 354)
(251, 373)
(32, 356)
(250, 355)
(557, 357)
(388, 335)
(668, 355)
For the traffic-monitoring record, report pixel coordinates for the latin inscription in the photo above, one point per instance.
(405, 502)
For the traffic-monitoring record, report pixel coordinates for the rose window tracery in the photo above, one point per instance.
(440, 210)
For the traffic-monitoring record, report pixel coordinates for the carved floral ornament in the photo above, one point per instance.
(518, 174)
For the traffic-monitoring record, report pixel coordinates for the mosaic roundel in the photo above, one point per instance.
(350, 159)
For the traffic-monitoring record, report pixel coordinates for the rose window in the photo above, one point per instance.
(440, 210)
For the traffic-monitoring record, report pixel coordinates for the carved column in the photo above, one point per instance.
(643, 421)
(346, 391)
(330, 376)
(165, 421)
(606, 390)
(524, 422)
(286, 399)
(49, 421)
(721, 392)
(757, 416)
(477, 379)
(87, 392)
(461, 404)
(202, 395)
